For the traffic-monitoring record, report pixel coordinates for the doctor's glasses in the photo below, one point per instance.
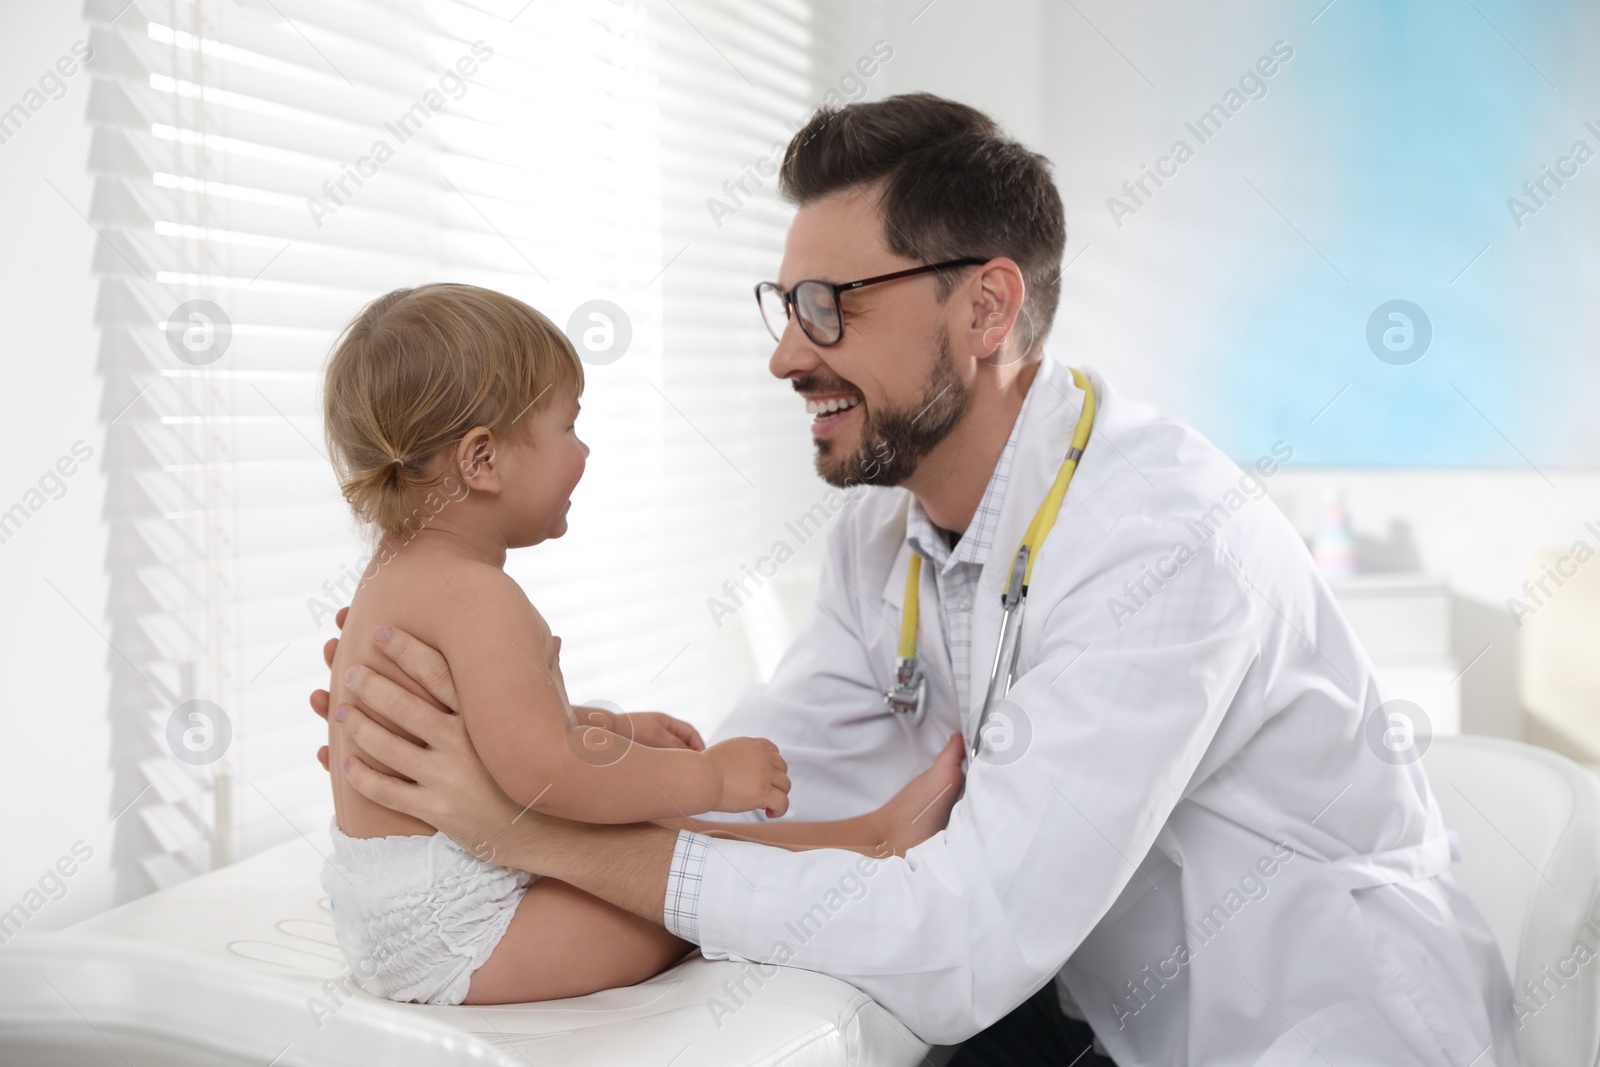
(817, 302)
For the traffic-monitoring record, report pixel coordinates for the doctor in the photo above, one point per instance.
(1178, 838)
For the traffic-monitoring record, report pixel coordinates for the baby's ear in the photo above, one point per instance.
(475, 460)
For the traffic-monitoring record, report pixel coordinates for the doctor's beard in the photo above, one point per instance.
(894, 441)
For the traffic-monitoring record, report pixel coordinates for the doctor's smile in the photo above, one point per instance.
(829, 411)
(1053, 702)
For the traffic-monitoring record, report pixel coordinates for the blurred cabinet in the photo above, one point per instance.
(1406, 622)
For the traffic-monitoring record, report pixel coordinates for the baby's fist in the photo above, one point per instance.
(753, 776)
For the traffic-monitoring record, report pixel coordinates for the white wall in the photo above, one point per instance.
(989, 55)
(54, 780)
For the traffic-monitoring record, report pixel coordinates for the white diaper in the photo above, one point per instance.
(416, 915)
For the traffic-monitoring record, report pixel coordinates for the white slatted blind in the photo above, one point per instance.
(736, 441)
(572, 163)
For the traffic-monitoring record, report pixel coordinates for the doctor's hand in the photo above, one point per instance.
(657, 730)
(449, 787)
(922, 808)
(319, 697)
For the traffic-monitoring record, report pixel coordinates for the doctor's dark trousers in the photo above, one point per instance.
(1035, 1034)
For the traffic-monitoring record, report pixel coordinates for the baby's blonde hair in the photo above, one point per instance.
(415, 371)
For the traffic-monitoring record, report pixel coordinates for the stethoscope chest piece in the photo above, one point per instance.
(908, 695)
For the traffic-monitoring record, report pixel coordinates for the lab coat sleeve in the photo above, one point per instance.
(1118, 711)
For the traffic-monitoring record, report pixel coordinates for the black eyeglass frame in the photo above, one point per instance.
(791, 309)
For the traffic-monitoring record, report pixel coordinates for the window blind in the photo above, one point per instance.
(263, 168)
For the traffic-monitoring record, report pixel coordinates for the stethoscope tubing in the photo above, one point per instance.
(906, 698)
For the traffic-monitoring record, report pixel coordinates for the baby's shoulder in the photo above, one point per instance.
(474, 594)
(443, 587)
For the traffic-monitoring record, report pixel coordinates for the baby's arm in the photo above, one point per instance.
(500, 653)
(911, 816)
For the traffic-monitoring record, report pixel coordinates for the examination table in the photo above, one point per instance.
(240, 967)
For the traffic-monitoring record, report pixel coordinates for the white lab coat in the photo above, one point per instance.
(1188, 828)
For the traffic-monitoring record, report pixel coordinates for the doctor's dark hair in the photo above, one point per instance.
(953, 185)
(416, 370)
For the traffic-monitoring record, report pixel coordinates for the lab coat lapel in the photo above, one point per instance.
(1052, 411)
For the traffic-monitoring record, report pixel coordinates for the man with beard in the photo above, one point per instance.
(1176, 843)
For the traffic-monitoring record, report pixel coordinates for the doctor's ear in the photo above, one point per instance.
(474, 460)
(995, 330)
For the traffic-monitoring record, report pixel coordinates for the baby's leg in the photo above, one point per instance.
(562, 942)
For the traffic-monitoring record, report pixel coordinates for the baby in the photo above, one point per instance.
(450, 415)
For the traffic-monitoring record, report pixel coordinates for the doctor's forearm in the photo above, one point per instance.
(622, 865)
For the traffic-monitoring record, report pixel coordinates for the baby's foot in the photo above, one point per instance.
(922, 808)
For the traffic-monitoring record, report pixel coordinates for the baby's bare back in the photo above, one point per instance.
(397, 593)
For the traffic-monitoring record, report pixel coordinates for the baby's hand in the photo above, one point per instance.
(753, 776)
(656, 730)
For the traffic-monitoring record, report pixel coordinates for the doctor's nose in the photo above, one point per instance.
(795, 354)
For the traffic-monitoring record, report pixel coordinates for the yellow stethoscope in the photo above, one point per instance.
(908, 695)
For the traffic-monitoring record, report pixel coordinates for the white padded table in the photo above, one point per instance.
(225, 968)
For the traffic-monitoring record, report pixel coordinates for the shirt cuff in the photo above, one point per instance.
(681, 909)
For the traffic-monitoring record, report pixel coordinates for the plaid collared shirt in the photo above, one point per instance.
(956, 572)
